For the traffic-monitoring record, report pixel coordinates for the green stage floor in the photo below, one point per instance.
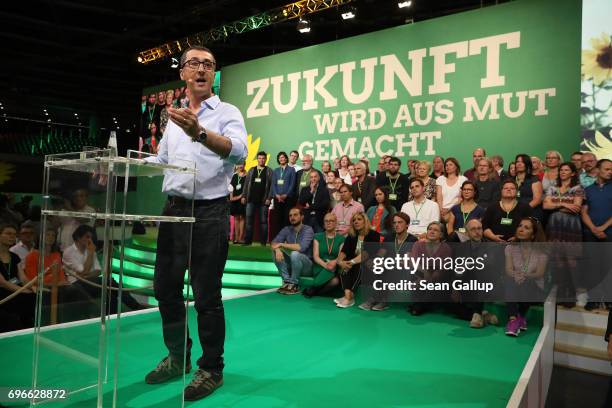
(287, 351)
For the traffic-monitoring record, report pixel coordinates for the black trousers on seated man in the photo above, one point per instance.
(208, 255)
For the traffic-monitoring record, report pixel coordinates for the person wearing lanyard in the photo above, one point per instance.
(420, 210)
(292, 252)
(237, 209)
(211, 134)
(525, 269)
(395, 181)
(345, 209)
(500, 221)
(326, 247)
(315, 200)
(487, 182)
(467, 210)
(302, 176)
(257, 197)
(380, 215)
(283, 179)
(422, 169)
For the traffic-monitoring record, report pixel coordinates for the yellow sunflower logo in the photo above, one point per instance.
(597, 63)
(6, 169)
(251, 160)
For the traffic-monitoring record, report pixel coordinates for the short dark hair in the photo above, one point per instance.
(262, 153)
(418, 180)
(4, 226)
(395, 160)
(81, 231)
(347, 186)
(296, 152)
(471, 183)
(403, 216)
(510, 181)
(297, 208)
(600, 162)
(576, 152)
(281, 154)
(194, 47)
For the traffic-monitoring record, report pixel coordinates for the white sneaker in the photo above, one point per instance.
(582, 298)
(346, 303)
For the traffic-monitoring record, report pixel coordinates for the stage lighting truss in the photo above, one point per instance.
(277, 15)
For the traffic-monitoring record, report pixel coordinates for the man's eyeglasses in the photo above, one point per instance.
(194, 64)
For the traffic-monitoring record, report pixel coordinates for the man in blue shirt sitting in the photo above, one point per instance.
(292, 249)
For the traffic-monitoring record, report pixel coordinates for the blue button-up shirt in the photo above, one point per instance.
(288, 176)
(303, 237)
(213, 174)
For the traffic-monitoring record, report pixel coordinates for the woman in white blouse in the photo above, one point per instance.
(448, 187)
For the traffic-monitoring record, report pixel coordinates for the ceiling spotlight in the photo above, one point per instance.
(303, 26)
(76, 114)
(139, 59)
(175, 63)
(46, 114)
(49, 120)
(349, 13)
(403, 4)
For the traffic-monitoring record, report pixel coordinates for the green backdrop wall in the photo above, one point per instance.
(506, 78)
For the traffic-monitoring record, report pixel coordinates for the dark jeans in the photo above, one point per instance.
(282, 213)
(251, 210)
(208, 255)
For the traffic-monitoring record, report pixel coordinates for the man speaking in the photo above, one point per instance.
(211, 134)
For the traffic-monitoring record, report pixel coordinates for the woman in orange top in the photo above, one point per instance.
(52, 261)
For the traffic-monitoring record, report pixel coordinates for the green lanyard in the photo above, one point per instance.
(392, 185)
(304, 179)
(416, 213)
(10, 266)
(401, 244)
(526, 264)
(465, 215)
(282, 171)
(259, 172)
(508, 212)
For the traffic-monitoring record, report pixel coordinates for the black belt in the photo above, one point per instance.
(176, 201)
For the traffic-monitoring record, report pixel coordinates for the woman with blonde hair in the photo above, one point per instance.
(422, 172)
(352, 255)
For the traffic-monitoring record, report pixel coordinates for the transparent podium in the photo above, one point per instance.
(96, 336)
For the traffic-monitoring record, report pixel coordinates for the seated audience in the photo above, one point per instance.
(487, 183)
(314, 199)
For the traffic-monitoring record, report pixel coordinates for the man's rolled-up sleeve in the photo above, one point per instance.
(235, 131)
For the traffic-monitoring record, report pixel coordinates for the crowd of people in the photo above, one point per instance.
(70, 262)
(324, 216)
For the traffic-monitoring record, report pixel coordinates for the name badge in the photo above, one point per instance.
(313, 213)
(393, 197)
(462, 230)
(518, 194)
(280, 182)
(414, 222)
(506, 221)
(342, 222)
(258, 179)
(238, 186)
(302, 184)
(359, 199)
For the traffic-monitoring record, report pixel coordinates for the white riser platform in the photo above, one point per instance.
(579, 341)
(581, 363)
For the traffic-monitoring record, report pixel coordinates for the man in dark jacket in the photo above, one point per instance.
(315, 200)
(257, 196)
